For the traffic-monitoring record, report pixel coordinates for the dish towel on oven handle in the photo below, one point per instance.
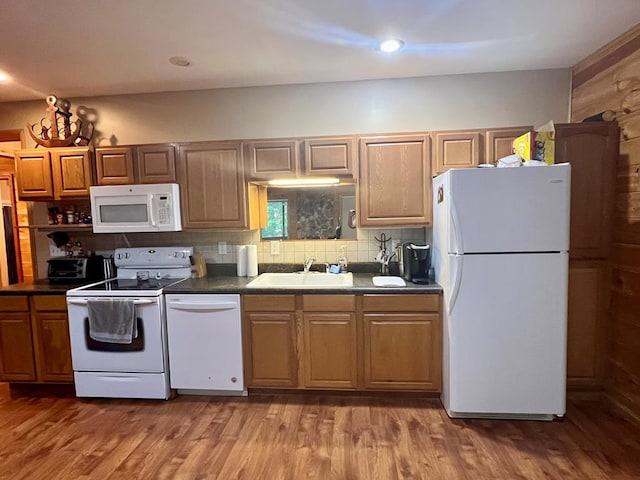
(112, 320)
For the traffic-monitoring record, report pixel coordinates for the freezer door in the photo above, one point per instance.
(506, 334)
(522, 209)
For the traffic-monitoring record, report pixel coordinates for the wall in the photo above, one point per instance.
(413, 104)
(609, 79)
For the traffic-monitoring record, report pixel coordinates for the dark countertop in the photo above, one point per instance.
(362, 283)
(39, 287)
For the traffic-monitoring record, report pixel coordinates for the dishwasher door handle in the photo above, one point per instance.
(205, 306)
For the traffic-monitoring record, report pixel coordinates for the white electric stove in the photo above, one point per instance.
(138, 369)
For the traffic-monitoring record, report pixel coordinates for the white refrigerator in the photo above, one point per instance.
(500, 252)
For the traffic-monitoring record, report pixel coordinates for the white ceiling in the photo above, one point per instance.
(75, 48)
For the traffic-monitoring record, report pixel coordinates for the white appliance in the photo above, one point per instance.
(205, 343)
(136, 208)
(138, 369)
(500, 252)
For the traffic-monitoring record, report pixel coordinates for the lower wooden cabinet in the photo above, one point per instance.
(343, 342)
(34, 339)
(588, 286)
(402, 342)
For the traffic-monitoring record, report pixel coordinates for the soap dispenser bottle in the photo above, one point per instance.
(342, 259)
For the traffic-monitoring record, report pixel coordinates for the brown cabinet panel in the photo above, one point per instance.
(33, 174)
(270, 359)
(328, 303)
(401, 303)
(17, 362)
(586, 317)
(402, 351)
(269, 303)
(53, 349)
(329, 156)
(499, 142)
(71, 172)
(114, 166)
(156, 163)
(456, 150)
(395, 181)
(212, 186)
(591, 149)
(272, 159)
(330, 350)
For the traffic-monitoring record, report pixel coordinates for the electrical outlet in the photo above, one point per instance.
(56, 252)
(275, 247)
(222, 248)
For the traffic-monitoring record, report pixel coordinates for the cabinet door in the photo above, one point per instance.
(114, 166)
(330, 349)
(402, 351)
(499, 142)
(329, 156)
(395, 181)
(212, 188)
(591, 149)
(53, 348)
(33, 174)
(272, 159)
(71, 172)
(156, 163)
(271, 359)
(17, 361)
(586, 322)
(456, 150)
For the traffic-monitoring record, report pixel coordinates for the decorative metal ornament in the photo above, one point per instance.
(57, 129)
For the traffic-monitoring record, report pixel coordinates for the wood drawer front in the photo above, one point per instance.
(329, 303)
(269, 303)
(401, 303)
(50, 303)
(16, 303)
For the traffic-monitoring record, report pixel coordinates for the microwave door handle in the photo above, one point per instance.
(152, 205)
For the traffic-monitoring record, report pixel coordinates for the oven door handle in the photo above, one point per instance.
(135, 302)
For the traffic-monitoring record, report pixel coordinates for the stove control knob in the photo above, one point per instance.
(176, 254)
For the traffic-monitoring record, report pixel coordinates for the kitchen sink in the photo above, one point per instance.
(302, 280)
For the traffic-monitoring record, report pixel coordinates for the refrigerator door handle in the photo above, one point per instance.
(457, 279)
(455, 231)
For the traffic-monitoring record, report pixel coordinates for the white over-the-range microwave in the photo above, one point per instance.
(136, 208)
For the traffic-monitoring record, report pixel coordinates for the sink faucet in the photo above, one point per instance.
(308, 262)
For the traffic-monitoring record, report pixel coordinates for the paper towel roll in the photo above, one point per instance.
(241, 260)
(252, 260)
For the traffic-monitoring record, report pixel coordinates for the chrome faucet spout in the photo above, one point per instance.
(308, 262)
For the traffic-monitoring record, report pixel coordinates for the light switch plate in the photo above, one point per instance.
(275, 247)
(56, 252)
(222, 248)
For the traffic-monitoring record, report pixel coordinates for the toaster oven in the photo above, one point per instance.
(74, 270)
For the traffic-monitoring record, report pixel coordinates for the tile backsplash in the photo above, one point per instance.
(363, 249)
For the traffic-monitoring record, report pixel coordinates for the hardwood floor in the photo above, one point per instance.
(296, 436)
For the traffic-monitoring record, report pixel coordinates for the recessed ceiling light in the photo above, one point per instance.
(391, 45)
(180, 61)
(3, 77)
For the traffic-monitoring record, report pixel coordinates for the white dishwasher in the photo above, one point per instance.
(205, 344)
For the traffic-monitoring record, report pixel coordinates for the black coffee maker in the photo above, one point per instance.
(415, 262)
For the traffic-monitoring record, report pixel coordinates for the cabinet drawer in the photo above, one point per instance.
(329, 303)
(269, 303)
(401, 303)
(15, 303)
(50, 303)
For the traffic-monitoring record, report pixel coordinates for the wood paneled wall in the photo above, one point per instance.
(609, 79)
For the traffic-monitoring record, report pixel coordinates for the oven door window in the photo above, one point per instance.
(136, 345)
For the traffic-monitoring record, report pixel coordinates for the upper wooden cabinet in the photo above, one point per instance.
(155, 163)
(460, 149)
(53, 174)
(271, 159)
(591, 149)
(499, 142)
(395, 181)
(329, 156)
(213, 191)
(114, 166)
(136, 164)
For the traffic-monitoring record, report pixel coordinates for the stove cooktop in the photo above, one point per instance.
(126, 284)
